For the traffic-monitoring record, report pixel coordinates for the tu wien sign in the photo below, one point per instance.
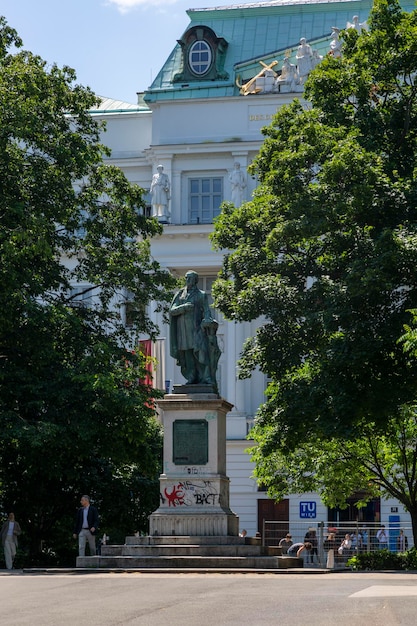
(308, 510)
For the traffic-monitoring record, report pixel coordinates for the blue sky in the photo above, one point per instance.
(116, 46)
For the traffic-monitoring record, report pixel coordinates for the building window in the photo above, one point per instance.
(134, 311)
(82, 295)
(203, 56)
(206, 196)
(200, 57)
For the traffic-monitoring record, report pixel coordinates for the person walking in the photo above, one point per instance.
(9, 534)
(86, 526)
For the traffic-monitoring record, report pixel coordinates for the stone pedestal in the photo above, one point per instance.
(194, 488)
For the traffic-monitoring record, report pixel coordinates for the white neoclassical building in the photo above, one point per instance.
(201, 120)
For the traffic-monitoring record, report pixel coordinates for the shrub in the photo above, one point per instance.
(384, 560)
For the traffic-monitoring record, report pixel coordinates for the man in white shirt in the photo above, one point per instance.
(382, 537)
(86, 525)
(9, 533)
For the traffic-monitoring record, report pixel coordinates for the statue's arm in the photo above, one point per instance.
(180, 309)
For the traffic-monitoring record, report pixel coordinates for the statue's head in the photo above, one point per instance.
(191, 278)
(160, 168)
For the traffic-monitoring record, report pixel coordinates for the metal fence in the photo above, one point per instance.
(360, 537)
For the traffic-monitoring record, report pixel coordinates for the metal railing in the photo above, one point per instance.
(362, 537)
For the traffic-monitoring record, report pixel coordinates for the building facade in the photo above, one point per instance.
(201, 120)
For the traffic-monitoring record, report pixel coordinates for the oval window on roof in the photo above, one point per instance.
(200, 57)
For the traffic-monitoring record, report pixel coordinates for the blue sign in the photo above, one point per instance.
(308, 510)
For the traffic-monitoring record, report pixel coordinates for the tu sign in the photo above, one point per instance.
(308, 510)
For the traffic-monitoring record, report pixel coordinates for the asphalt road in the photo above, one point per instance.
(214, 599)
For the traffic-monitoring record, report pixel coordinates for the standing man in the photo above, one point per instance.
(9, 533)
(382, 537)
(86, 526)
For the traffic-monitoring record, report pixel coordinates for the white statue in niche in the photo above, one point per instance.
(160, 191)
(238, 185)
(304, 58)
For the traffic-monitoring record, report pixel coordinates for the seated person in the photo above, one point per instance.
(285, 543)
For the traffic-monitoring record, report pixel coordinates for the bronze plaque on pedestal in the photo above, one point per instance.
(190, 442)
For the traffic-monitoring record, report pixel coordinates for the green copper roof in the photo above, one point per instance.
(253, 32)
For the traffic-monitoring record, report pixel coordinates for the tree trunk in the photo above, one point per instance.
(413, 514)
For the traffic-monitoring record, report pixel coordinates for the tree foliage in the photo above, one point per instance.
(75, 417)
(325, 257)
(373, 463)
(325, 253)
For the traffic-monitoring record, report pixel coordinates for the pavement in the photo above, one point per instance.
(138, 598)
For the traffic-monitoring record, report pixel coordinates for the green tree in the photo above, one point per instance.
(375, 464)
(325, 253)
(74, 416)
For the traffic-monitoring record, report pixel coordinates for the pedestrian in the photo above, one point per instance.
(346, 545)
(356, 538)
(311, 536)
(402, 542)
(330, 544)
(9, 533)
(297, 549)
(86, 526)
(365, 539)
(382, 537)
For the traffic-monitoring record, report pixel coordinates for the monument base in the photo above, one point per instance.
(194, 524)
(208, 390)
(194, 488)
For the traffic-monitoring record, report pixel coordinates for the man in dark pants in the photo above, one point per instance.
(86, 526)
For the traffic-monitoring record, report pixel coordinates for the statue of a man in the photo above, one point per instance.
(304, 58)
(238, 185)
(193, 340)
(335, 44)
(160, 191)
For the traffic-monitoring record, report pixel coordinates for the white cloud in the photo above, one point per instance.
(126, 5)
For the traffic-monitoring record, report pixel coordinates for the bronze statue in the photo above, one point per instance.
(193, 340)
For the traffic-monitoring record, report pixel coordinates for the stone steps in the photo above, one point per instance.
(189, 552)
(178, 562)
(184, 550)
(206, 540)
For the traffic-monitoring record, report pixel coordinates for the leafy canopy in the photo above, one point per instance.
(75, 417)
(325, 254)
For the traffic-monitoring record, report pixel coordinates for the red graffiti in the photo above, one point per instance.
(176, 496)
